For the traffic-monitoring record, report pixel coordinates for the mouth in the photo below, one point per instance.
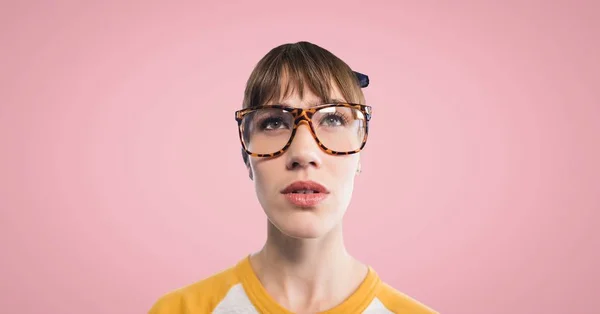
(305, 187)
(305, 194)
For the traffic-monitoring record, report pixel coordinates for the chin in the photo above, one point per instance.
(302, 225)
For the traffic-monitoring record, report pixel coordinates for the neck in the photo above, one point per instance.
(307, 274)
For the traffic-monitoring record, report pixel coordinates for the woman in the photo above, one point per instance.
(303, 124)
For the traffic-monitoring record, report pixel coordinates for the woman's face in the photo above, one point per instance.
(304, 215)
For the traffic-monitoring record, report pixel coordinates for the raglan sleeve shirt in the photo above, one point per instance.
(237, 290)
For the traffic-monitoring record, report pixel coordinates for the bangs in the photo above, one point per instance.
(294, 68)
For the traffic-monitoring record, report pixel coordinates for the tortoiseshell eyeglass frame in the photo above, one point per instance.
(304, 116)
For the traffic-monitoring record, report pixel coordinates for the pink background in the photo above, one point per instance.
(121, 176)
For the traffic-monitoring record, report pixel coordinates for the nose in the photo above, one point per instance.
(304, 151)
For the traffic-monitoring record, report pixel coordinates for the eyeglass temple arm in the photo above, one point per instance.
(363, 79)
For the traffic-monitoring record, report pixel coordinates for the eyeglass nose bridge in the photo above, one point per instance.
(304, 117)
(301, 115)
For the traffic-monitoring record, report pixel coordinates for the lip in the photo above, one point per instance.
(305, 185)
(305, 200)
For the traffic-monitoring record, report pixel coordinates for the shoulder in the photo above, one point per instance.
(199, 297)
(400, 303)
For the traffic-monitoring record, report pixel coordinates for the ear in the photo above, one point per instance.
(249, 170)
(246, 159)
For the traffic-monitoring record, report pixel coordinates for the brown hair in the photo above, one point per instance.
(295, 66)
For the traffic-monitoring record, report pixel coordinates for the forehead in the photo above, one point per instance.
(291, 96)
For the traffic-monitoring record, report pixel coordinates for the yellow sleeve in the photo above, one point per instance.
(198, 298)
(400, 303)
(169, 303)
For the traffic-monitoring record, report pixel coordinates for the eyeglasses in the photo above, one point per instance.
(339, 128)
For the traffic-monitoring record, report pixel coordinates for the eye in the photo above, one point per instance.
(272, 123)
(334, 119)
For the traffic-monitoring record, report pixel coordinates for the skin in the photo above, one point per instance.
(304, 264)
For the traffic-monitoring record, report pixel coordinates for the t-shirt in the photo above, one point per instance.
(238, 290)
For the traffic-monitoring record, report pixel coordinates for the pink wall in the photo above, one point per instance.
(121, 177)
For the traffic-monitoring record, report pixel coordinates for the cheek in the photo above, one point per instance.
(344, 166)
(265, 173)
(344, 170)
